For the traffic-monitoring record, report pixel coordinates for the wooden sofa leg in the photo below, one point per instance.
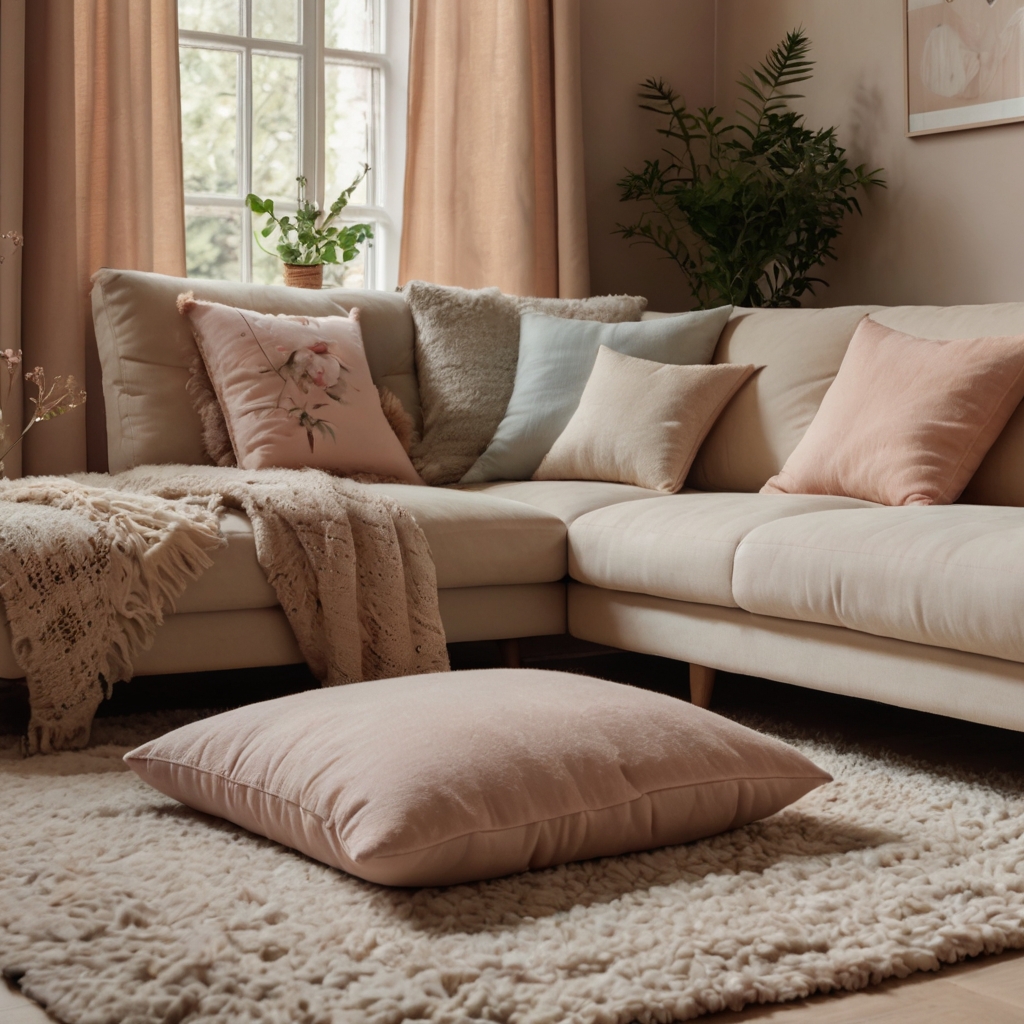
(702, 684)
(510, 653)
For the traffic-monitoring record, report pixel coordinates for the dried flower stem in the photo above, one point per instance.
(60, 396)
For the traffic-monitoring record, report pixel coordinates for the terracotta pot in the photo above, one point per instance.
(303, 276)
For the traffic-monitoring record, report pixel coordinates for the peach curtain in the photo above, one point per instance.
(103, 187)
(494, 161)
(12, 109)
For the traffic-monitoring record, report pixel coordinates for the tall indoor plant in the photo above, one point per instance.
(306, 245)
(748, 210)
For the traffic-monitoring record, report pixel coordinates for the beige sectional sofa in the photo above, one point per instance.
(919, 607)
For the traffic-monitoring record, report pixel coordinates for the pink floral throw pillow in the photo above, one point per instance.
(296, 391)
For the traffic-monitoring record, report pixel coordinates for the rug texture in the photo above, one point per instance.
(119, 905)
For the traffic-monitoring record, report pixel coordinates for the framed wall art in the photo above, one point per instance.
(964, 64)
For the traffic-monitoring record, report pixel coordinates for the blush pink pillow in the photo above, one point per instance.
(296, 391)
(907, 420)
(456, 776)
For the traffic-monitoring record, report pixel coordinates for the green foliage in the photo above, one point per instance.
(747, 210)
(213, 242)
(305, 242)
(209, 120)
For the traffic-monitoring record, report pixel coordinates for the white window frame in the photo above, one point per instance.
(385, 184)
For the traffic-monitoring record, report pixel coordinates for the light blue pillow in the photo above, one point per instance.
(556, 356)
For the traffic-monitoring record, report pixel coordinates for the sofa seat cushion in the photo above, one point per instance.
(680, 546)
(567, 499)
(477, 540)
(948, 576)
(235, 581)
(482, 540)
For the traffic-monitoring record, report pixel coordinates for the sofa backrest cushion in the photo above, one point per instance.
(800, 350)
(146, 349)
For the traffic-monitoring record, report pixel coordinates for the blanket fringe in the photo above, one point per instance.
(155, 548)
(166, 551)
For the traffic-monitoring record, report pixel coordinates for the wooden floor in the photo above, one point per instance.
(989, 990)
(985, 991)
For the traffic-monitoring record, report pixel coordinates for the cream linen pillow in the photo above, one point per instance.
(467, 345)
(556, 357)
(296, 391)
(907, 420)
(641, 422)
(456, 776)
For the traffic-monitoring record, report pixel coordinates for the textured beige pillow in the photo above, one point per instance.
(641, 422)
(467, 345)
(216, 439)
(455, 776)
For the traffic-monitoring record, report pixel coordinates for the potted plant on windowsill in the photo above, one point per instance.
(305, 245)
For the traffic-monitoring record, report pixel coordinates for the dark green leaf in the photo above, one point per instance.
(746, 210)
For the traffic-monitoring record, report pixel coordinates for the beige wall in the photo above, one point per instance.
(624, 42)
(950, 228)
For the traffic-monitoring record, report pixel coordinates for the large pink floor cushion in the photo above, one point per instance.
(458, 776)
(296, 391)
(907, 420)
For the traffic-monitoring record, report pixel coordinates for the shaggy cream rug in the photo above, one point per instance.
(118, 905)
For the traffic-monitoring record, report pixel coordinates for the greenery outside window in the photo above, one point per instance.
(275, 89)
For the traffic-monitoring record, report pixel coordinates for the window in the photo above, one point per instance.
(274, 89)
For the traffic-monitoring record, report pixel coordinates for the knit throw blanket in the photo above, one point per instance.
(91, 564)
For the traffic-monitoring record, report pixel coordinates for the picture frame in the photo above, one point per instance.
(963, 64)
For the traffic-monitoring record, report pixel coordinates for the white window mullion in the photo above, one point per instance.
(245, 170)
(394, 24)
(313, 152)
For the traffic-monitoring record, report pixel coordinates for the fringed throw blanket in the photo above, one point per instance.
(85, 575)
(351, 569)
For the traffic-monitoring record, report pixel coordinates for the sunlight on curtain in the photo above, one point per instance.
(494, 167)
(103, 187)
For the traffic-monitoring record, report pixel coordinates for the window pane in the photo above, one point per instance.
(266, 267)
(347, 126)
(349, 24)
(210, 16)
(351, 274)
(276, 19)
(209, 120)
(275, 126)
(213, 242)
